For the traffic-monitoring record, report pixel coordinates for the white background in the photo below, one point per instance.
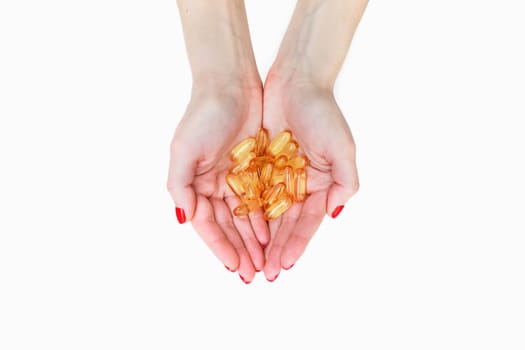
(428, 255)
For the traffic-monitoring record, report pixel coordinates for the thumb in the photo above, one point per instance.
(180, 183)
(346, 182)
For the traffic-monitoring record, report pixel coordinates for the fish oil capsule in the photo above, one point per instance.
(251, 191)
(266, 174)
(298, 162)
(236, 184)
(242, 149)
(290, 149)
(277, 178)
(278, 207)
(251, 183)
(289, 179)
(280, 162)
(300, 185)
(273, 193)
(261, 142)
(253, 204)
(278, 143)
(243, 163)
(241, 210)
(259, 161)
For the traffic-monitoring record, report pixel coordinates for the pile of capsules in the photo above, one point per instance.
(267, 175)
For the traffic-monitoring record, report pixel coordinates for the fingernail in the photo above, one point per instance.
(227, 268)
(257, 270)
(181, 215)
(273, 279)
(242, 278)
(289, 267)
(337, 211)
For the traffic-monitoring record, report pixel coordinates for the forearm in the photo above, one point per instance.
(317, 40)
(218, 42)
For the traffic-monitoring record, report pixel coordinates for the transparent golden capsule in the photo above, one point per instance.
(290, 149)
(298, 162)
(278, 207)
(253, 204)
(260, 161)
(236, 184)
(273, 193)
(278, 143)
(243, 163)
(300, 185)
(266, 174)
(280, 162)
(261, 142)
(241, 210)
(242, 148)
(289, 179)
(277, 178)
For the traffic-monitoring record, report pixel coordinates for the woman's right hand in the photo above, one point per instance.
(215, 120)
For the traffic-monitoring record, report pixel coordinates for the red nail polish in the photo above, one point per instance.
(181, 215)
(271, 280)
(227, 268)
(257, 270)
(289, 267)
(242, 278)
(337, 211)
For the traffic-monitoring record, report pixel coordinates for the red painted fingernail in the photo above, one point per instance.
(271, 280)
(337, 211)
(227, 268)
(289, 267)
(181, 215)
(242, 278)
(257, 270)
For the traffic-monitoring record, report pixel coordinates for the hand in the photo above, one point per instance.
(314, 118)
(215, 120)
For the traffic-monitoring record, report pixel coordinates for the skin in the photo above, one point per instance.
(227, 96)
(225, 107)
(298, 95)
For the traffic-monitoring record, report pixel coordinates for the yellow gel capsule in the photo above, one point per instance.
(266, 174)
(289, 179)
(273, 193)
(259, 162)
(252, 204)
(278, 143)
(242, 149)
(277, 178)
(290, 149)
(261, 142)
(241, 210)
(298, 162)
(236, 184)
(251, 191)
(280, 162)
(300, 185)
(278, 207)
(243, 162)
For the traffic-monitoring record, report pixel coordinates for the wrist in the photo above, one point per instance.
(292, 80)
(296, 73)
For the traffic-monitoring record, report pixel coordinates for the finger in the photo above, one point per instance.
(224, 219)
(272, 268)
(204, 223)
(346, 182)
(243, 226)
(180, 178)
(260, 227)
(273, 226)
(312, 215)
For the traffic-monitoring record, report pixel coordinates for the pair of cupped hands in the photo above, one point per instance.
(222, 113)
